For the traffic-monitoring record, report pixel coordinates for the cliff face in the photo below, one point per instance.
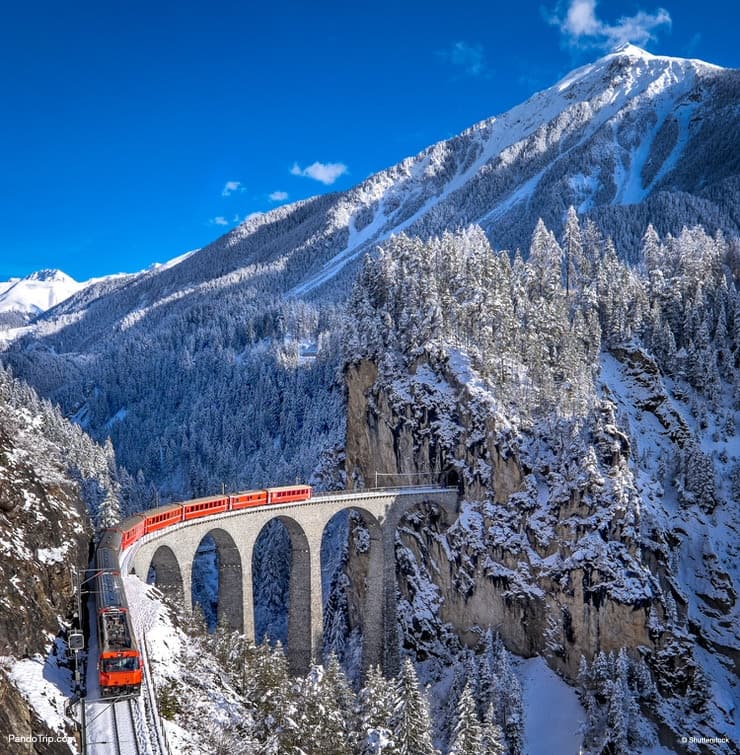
(559, 545)
(391, 440)
(44, 531)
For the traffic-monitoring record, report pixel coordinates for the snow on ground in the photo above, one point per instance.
(52, 555)
(553, 716)
(46, 686)
(193, 684)
(705, 539)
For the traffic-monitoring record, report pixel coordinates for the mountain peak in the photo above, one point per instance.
(50, 275)
(633, 51)
(37, 292)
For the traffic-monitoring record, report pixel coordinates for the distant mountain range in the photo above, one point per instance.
(22, 299)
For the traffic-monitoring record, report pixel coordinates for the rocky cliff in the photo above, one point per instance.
(562, 544)
(47, 480)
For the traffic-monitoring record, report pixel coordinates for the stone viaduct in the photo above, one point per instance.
(170, 553)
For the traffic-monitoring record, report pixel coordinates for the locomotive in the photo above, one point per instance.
(119, 661)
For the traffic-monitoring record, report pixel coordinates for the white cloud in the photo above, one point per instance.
(230, 187)
(218, 220)
(469, 58)
(278, 196)
(327, 173)
(580, 26)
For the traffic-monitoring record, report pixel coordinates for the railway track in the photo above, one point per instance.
(124, 728)
(113, 728)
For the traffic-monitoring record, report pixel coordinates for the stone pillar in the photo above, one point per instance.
(300, 601)
(391, 656)
(186, 569)
(317, 604)
(374, 610)
(230, 598)
(247, 553)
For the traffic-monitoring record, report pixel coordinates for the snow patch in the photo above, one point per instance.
(553, 715)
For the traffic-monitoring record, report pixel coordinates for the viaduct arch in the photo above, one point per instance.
(171, 553)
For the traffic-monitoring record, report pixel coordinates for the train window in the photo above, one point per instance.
(118, 664)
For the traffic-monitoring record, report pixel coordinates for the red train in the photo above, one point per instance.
(136, 526)
(119, 661)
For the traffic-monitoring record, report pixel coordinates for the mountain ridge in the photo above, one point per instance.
(304, 255)
(630, 130)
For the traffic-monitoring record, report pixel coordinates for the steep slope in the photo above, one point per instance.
(53, 482)
(630, 138)
(598, 525)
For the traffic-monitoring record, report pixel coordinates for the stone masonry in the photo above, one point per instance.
(171, 553)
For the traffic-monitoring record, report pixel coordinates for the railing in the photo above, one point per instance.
(161, 732)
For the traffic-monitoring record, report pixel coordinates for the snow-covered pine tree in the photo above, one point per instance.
(412, 730)
(492, 738)
(467, 734)
(376, 704)
(574, 266)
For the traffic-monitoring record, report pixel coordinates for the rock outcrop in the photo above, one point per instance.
(546, 549)
(567, 542)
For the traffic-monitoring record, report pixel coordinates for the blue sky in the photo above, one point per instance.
(133, 132)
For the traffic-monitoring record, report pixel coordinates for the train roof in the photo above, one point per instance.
(129, 522)
(110, 538)
(205, 499)
(162, 509)
(281, 488)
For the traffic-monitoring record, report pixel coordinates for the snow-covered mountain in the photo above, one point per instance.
(37, 292)
(22, 299)
(630, 139)
(572, 523)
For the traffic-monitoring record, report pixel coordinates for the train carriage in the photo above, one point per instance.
(288, 493)
(119, 661)
(162, 516)
(131, 530)
(247, 499)
(205, 507)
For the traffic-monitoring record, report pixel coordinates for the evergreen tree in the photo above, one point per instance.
(377, 701)
(467, 734)
(575, 267)
(617, 720)
(492, 738)
(412, 730)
